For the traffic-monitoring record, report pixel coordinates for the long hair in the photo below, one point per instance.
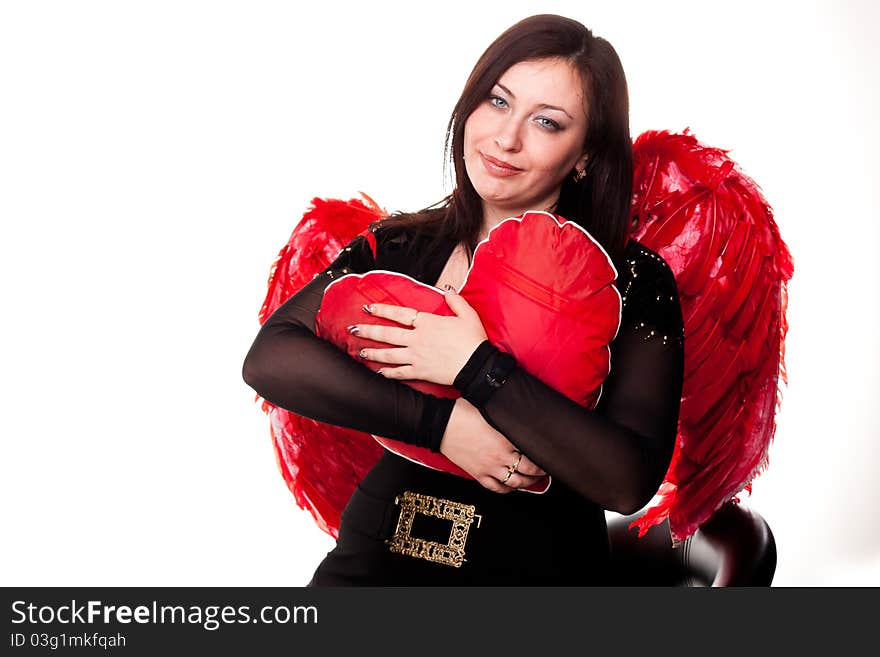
(600, 202)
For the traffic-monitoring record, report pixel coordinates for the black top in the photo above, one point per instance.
(614, 456)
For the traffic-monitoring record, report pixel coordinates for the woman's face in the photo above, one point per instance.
(534, 120)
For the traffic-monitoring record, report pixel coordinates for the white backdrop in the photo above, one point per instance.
(154, 157)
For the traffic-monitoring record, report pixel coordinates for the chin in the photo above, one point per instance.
(491, 188)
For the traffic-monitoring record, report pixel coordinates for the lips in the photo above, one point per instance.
(498, 167)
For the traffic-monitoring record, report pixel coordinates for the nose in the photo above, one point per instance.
(508, 136)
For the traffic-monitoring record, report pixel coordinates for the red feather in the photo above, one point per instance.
(320, 463)
(713, 227)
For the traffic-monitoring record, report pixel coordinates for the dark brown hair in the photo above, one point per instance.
(601, 201)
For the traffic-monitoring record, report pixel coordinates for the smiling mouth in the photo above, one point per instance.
(497, 169)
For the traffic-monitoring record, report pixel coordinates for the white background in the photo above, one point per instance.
(156, 155)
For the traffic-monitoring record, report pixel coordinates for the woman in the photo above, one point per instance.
(542, 124)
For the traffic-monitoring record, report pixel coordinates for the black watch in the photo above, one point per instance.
(479, 393)
(497, 376)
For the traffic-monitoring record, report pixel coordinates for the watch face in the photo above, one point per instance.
(496, 376)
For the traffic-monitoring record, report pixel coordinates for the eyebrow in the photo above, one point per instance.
(542, 105)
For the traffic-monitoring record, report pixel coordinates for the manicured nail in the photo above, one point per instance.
(368, 309)
(380, 372)
(362, 353)
(353, 329)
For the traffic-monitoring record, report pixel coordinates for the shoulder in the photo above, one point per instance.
(391, 235)
(644, 268)
(361, 253)
(384, 244)
(649, 294)
(380, 236)
(404, 244)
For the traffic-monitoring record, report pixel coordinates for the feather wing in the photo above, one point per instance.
(714, 228)
(712, 225)
(320, 463)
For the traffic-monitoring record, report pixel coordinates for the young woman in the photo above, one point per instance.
(542, 124)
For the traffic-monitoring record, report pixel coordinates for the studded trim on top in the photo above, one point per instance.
(650, 296)
(357, 257)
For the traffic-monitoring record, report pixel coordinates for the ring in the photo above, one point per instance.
(509, 472)
(412, 322)
(513, 468)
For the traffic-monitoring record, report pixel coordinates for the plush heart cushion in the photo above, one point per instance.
(544, 290)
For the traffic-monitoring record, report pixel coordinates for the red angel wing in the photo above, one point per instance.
(715, 230)
(712, 225)
(321, 480)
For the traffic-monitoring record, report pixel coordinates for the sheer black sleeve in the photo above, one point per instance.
(616, 455)
(289, 366)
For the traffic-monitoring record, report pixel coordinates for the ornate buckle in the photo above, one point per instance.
(450, 554)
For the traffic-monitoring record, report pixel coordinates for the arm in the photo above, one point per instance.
(289, 366)
(618, 454)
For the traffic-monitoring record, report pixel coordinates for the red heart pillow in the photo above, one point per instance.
(543, 288)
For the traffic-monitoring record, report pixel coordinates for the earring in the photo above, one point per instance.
(580, 174)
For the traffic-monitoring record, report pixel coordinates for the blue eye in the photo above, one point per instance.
(501, 104)
(492, 100)
(551, 125)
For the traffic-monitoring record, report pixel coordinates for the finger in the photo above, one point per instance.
(521, 481)
(396, 356)
(523, 465)
(494, 485)
(456, 303)
(400, 314)
(402, 373)
(510, 479)
(527, 467)
(379, 333)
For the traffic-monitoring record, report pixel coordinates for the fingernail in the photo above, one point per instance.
(380, 372)
(368, 309)
(353, 329)
(362, 353)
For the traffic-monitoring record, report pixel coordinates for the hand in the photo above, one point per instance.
(434, 350)
(477, 448)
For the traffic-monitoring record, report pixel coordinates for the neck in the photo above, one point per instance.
(492, 216)
(490, 220)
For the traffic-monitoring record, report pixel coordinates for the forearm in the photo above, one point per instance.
(292, 368)
(302, 373)
(617, 457)
(600, 459)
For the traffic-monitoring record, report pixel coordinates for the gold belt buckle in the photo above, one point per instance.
(451, 553)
